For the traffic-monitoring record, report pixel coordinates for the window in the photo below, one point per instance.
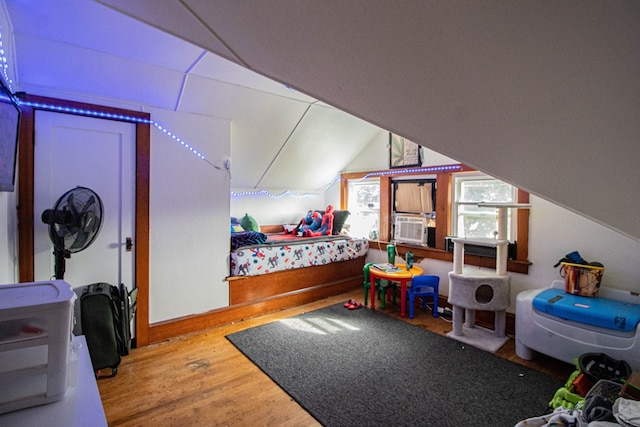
(364, 205)
(472, 221)
(415, 196)
(455, 195)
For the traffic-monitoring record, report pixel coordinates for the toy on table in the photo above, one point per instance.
(326, 226)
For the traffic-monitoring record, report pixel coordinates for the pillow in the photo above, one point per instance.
(339, 218)
(249, 223)
(236, 228)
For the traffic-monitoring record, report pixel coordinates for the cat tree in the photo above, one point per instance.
(481, 290)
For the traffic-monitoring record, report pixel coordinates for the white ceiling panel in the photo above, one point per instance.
(81, 70)
(175, 19)
(93, 26)
(261, 123)
(217, 68)
(324, 142)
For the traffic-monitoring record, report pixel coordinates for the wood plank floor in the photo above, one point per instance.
(201, 379)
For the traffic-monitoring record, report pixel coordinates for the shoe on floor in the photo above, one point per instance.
(349, 303)
(356, 305)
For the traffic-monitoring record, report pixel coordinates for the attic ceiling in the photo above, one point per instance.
(545, 94)
(271, 125)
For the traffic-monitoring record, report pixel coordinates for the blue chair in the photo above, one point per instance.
(381, 288)
(423, 287)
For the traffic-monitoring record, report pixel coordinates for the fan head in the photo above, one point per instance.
(75, 220)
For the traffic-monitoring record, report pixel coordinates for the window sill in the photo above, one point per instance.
(420, 252)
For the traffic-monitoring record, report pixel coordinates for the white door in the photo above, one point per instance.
(72, 151)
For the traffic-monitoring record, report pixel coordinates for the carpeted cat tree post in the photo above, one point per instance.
(479, 290)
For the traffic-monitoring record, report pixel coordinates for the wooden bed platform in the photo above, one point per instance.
(251, 296)
(333, 279)
(318, 280)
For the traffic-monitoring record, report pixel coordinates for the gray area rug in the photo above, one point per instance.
(364, 368)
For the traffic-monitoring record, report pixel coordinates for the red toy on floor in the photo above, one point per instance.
(352, 304)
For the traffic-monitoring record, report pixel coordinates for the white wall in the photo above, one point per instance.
(268, 210)
(8, 238)
(189, 207)
(288, 209)
(189, 215)
(372, 158)
(553, 232)
(375, 156)
(8, 211)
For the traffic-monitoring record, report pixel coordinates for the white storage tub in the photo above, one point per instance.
(567, 340)
(35, 340)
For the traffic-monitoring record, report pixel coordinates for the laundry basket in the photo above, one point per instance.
(609, 390)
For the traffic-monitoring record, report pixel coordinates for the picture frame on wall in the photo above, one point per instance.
(403, 153)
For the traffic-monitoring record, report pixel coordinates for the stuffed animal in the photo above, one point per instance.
(311, 222)
(326, 226)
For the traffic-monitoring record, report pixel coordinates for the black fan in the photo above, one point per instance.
(74, 223)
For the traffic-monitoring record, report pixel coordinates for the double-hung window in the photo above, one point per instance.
(364, 206)
(373, 206)
(472, 221)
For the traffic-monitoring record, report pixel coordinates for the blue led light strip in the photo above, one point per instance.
(121, 117)
(83, 112)
(111, 116)
(414, 170)
(177, 139)
(5, 63)
(260, 193)
(187, 146)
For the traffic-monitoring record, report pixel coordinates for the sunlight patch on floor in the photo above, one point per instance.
(319, 325)
(344, 324)
(302, 325)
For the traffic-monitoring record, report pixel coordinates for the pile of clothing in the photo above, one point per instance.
(624, 412)
(612, 399)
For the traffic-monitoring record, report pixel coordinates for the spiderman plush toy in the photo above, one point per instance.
(326, 226)
(311, 222)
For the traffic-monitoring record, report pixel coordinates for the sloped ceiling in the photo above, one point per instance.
(543, 94)
(74, 49)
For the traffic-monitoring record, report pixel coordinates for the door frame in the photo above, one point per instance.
(26, 140)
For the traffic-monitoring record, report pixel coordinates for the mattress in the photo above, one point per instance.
(604, 313)
(289, 254)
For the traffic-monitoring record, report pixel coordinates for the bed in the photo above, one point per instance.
(284, 264)
(285, 252)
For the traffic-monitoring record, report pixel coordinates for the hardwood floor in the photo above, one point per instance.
(201, 379)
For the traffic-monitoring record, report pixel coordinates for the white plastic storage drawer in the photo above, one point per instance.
(35, 340)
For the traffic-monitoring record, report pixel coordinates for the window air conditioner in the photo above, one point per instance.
(410, 229)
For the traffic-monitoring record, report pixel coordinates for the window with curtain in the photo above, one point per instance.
(414, 197)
